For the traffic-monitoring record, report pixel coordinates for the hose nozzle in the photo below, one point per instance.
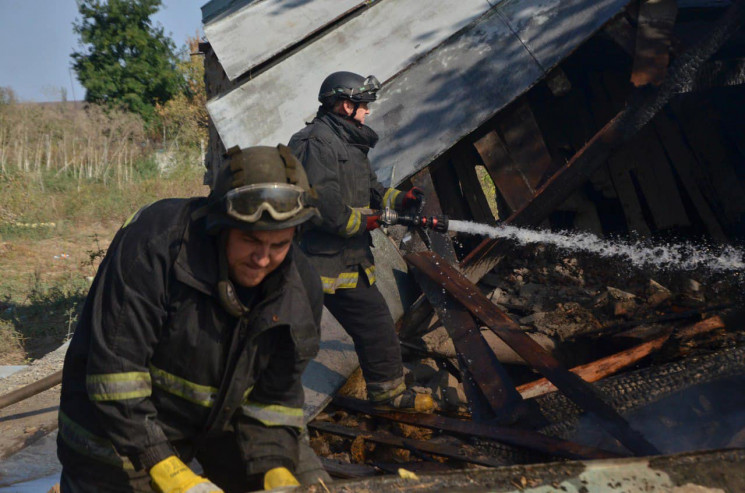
(390, 217)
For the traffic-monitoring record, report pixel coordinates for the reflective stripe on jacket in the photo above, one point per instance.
(155, 356)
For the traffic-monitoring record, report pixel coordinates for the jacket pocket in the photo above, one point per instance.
(320, 243)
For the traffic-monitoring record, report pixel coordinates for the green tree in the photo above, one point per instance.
(125, 60)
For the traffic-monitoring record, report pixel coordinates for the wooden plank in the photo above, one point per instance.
(685, 165)
(655, 27)
(440, 242)
(465, 166)
(701, 132)
(249, 35)
(490, 391)
(448, 189)
(441, 97)
(386, 438)
(509, 180)
(382, 40)
(619, 165)
(457, 285)
(596, 370)
(508, 435)
(635, 115)
(525, 143)
(622, 33)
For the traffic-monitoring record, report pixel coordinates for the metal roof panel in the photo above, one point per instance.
(246, 36)
(382, 41)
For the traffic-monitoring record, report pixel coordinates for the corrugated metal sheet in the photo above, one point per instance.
(248, 33)
(382, 41)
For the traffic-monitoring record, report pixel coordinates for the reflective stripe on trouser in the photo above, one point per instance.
(346, 280)
(86, 443)
(118, 386)
(363, 313)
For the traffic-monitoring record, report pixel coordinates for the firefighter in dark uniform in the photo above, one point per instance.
(333, 149)
(194, 335)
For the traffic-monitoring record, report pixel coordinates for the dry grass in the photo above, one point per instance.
(51, 240)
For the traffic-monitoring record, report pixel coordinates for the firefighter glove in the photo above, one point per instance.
(279, 476)
(173, 476)
(413, 198)
(373, 221)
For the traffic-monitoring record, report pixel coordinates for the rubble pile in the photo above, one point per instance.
(579, 309)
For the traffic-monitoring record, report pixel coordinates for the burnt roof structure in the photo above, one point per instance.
(617, 117)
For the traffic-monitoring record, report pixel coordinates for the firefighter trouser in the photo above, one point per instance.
(364, 314)
(220, 463)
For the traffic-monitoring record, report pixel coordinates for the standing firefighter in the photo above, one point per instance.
(333, 149)
(195, 332)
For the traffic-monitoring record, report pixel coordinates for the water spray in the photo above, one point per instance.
(680, 256)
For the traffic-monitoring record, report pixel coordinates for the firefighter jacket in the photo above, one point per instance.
(334, 151)
(156, 364)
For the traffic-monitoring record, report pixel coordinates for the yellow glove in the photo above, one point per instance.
(279, 476)
(173, 476)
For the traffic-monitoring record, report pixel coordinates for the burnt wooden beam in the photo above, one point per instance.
(686, 166)
(577, 390)
(622, 33)
(524, 140)
(655, 27)
(507, 177)
(465, 167)
(508, 435)
(599, 369)
(642, 106)
(347, 471)
(439, 242)
(407, 444)
(518, 159)
(489, 389)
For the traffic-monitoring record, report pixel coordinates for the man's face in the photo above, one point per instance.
(362, 111)
(252, 255)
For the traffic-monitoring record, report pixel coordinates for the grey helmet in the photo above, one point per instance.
(261, 188)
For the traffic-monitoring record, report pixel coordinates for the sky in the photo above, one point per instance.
(37, 40)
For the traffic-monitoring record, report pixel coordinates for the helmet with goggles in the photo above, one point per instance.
(348, 85)
(261, 188)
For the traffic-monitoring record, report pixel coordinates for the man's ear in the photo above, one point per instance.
(347, 107)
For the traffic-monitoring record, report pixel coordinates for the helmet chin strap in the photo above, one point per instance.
(225, 289)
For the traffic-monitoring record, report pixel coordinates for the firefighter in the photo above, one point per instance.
(333, 149)
(194, 335)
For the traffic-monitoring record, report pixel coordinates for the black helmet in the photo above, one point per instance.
(348, 85)
(261, 188)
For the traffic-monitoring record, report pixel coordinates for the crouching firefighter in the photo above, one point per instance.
(194, 335)
(333, 149)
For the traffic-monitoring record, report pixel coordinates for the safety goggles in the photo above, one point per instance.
(370, 86)
(281, 200)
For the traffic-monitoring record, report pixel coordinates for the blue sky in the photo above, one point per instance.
(37, 39)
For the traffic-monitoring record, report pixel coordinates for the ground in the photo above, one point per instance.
(43, 284)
